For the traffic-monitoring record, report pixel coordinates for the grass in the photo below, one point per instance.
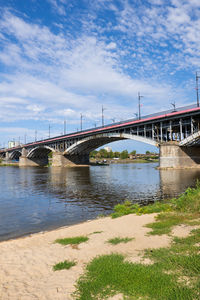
(65, 265)
(96, 232)
(73, 240)
(128, 208)
(9, 165)
(182, 210)
(173, 275)
(118, 240)
(174, 272)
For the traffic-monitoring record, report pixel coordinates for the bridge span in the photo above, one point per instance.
(176, 133)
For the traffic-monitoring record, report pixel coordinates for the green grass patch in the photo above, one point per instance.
(108, 275)
(173, 275)
(128, 208)
(166, 221)
(65, 265)
(118, 240)
(73, 240)
(96, 232)
(182, 210)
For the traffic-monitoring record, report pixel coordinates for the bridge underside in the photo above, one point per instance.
(85, 147)
(36, 157)
(78, 154)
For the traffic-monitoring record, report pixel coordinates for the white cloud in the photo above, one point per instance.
(55, 76)
(58, 6)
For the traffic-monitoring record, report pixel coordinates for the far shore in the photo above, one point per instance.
(94, 162)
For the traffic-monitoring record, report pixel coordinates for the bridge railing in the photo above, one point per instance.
(164, 112)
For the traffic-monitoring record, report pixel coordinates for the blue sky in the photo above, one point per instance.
(60, 58)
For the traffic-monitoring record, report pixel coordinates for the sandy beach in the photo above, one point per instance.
(26, 263)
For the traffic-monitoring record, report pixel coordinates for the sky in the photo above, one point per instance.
(61, 58)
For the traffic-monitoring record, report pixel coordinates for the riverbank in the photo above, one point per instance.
(27, 263)
(101, 259)
(110, 252)
(93, 162)
(126, 161)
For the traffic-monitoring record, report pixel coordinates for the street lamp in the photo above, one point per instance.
(174, 106)
(139, 105)
(103, 115)
(197, 88)
(64, 126)
(49, 130)
(81, 121)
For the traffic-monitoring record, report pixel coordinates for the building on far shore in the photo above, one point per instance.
(12, 144)
(108, 149)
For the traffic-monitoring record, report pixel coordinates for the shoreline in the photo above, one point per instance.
(30, 234)
(93, 162)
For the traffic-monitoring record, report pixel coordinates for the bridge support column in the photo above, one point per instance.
(6, 159)
(61, 160)
(36, 162)
(174, 156)
(24, 161)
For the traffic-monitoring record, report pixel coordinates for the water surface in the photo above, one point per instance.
(35, 199)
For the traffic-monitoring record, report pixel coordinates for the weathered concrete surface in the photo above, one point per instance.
(174, 156)
(60, 160)
(34, 162)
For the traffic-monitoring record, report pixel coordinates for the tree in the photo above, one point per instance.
(110, 154)
(133, 152)
(104, 153)
(93, 153)
(116, 154)
(148, 152)
(124, 154)
(50, 154)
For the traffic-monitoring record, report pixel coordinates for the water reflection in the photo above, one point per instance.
(34, 199)
(174, 182)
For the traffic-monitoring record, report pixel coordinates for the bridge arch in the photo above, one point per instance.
(2, 155)
(15, 154)
(40, 152)
(86, 145)
(191, 140)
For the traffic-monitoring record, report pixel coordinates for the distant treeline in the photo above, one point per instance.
(103, 153)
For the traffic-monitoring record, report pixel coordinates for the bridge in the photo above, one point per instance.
(176, 132)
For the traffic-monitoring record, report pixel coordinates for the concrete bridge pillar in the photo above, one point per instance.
(7, 158)
(24, 161)
(61, 160)
(174, 156)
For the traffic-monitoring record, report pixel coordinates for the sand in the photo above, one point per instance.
(26, 263)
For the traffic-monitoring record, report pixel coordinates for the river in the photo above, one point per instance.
(38, 199)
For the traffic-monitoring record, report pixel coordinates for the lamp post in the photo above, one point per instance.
(49, 130)
(102, 111)
(197, 87)
(139, 105)
(174, 106)
(35, 135)
(64, 126)
(81, 121)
